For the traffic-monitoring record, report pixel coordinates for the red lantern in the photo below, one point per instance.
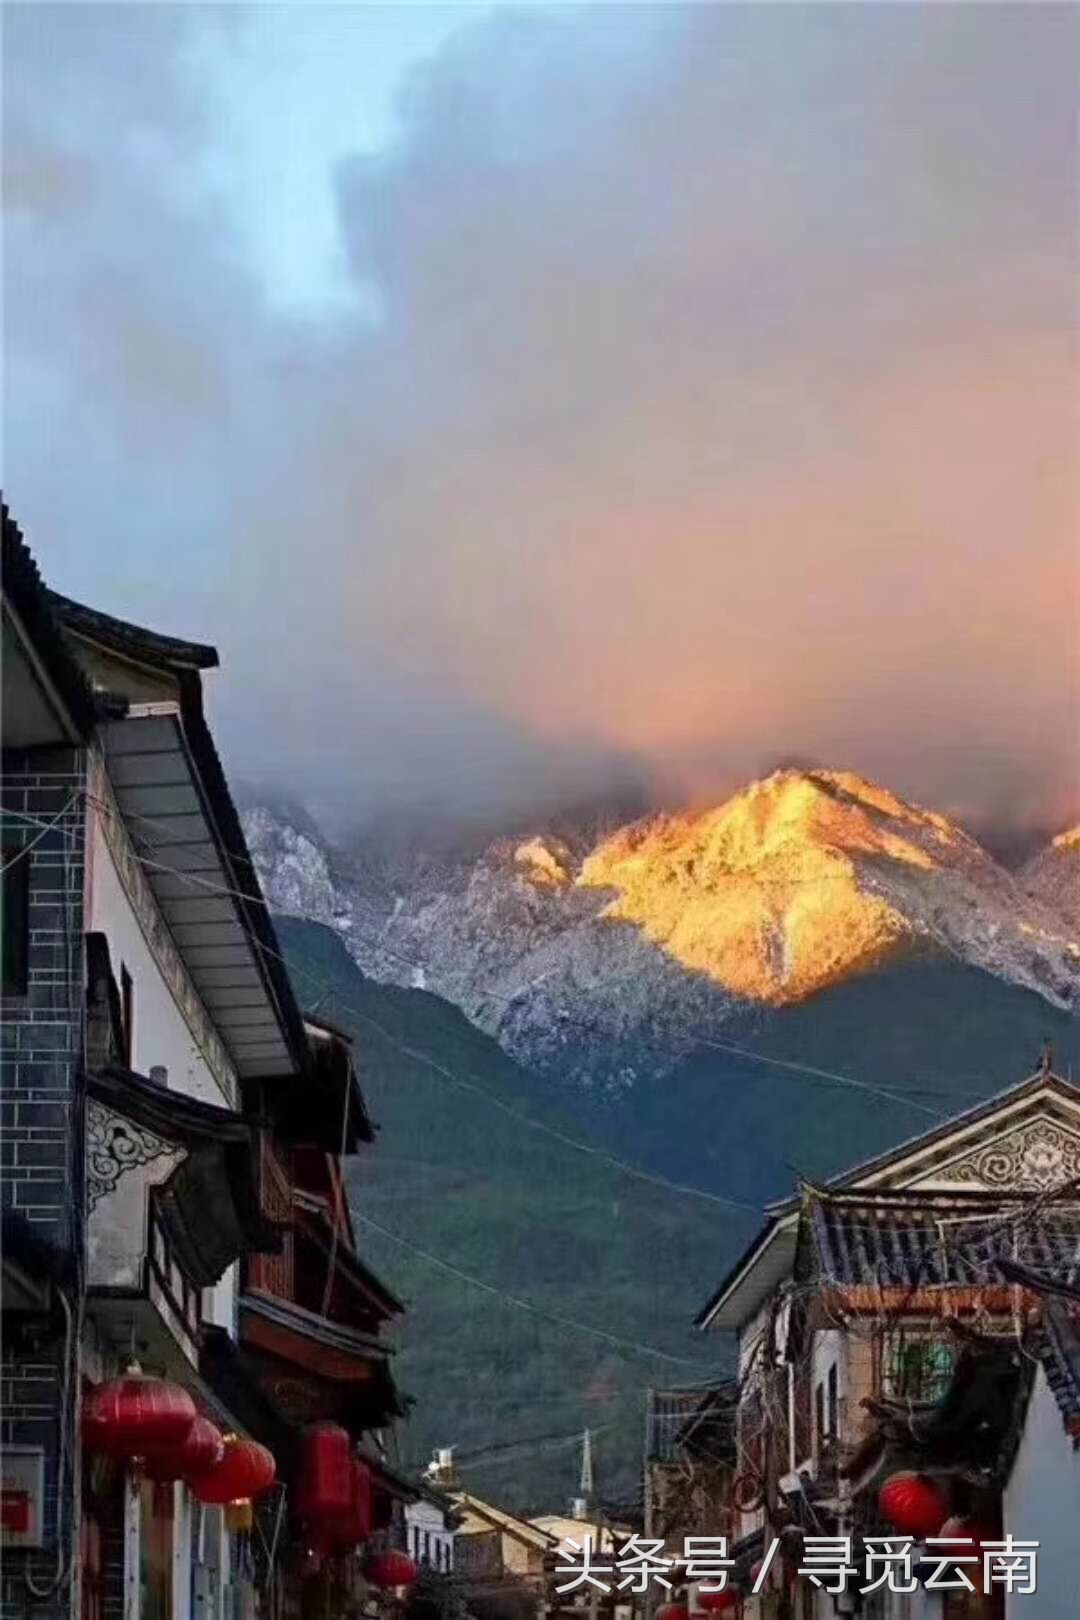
(136, 1416)
(718, 1602)
(979, 1535)
(202, 1450)
(355, 1526)
(246, 1469)
(672, 1611)
(389, 1569)
(324, 1485)
(913, 1505)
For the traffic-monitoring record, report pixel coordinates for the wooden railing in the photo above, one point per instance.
(273, 1273)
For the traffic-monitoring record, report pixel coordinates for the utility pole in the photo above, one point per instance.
(585, 1489)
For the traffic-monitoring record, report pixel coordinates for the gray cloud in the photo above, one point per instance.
(718, 403)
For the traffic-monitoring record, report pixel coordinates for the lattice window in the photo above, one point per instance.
(274, 1273)
(917, 1367)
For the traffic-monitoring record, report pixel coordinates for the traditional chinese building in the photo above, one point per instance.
(893, 1323)
(174, 1137)
(689, 1464)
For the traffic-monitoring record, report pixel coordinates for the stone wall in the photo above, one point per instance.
(41, 1150)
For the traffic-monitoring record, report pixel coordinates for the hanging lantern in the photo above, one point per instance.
(324, 1486)
(136, 1416)
(239, 1516)
(389, 1569)
(200, 1452)
(672, 1611)
(246, 1469)
(913, 1505)
(979, 1535)
(354, 1526)
(718, 1602)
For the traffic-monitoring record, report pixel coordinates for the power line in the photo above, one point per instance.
(829, 1075)
(890, 1094)
(525, 1304)
(46, 827)
(418, 1055)
(824, 1074)
(731, 1048)
(557, 1438)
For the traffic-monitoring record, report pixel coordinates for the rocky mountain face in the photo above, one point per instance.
(1052, 878)
(603, 958)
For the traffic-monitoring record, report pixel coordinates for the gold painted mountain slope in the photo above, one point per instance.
(772, 894)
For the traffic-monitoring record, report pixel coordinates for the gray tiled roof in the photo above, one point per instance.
(1059, 1351)
(672, 1413)
(930, 1243)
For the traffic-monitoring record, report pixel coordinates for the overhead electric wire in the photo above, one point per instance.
(508, 999)
(457, 1080)
(831, 1076)
(46, 827)
(559, 1437)
(524, 1304)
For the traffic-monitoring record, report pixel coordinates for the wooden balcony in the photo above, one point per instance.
(274, 1273)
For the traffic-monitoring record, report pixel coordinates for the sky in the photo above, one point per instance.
(537, 405)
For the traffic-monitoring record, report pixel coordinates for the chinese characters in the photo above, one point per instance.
(835, 1564)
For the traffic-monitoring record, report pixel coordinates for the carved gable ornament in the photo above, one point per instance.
(115, 1145)
(1033, 1157)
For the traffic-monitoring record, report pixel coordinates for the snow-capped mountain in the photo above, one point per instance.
(1052, 877)
(598, 956)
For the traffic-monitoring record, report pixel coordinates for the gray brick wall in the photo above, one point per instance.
(41, 1139)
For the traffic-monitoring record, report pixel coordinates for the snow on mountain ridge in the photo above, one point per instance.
(1052, 877)
(658, 932)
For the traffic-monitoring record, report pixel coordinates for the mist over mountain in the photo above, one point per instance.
(691, 398)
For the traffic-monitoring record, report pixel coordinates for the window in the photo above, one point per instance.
(918, 1368)
(127, 1013)
(14, 918)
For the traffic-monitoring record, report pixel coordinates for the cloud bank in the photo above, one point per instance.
(708, 396)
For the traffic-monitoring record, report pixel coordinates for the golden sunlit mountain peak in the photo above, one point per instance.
(793, 884)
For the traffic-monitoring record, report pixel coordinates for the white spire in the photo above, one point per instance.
(586, 1486)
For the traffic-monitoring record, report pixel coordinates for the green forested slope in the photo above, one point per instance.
(567, 1232)
(455, 1175)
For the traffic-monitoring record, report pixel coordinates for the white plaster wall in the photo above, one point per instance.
(426, 1518)
(750, 1335)
(160, 1031)
(830, 1349)
(1042, 1503)
(219, 1302)
(116, 1230)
